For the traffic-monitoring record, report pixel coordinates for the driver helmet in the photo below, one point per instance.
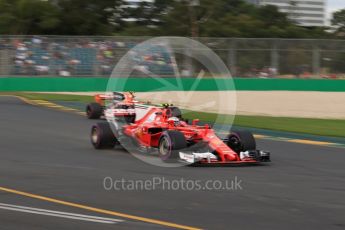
(175, 119)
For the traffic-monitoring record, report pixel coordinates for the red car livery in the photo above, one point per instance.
(163, 128)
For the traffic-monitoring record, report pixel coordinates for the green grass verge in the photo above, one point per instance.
(322, 127)
(52, 97)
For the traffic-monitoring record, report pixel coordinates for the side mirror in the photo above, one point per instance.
(195, 121)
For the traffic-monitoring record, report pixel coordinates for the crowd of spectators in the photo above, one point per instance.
(82, 56)
(39, 55)
(63, 57)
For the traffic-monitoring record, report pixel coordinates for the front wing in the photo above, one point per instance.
(246, 158)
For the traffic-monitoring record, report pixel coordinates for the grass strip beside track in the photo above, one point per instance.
(52, 97)
(321, 127)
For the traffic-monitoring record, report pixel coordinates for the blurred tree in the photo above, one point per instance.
(28, 17)
(339, 21)
(70, 17)
(89, 17)
(220, 18)
(144, 18)
(176, 20)
(224, 18)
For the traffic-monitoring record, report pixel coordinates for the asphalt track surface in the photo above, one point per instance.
(47, 152)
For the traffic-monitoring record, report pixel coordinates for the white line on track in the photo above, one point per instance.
(67, 215)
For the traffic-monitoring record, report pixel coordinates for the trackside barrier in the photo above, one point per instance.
(87, 84)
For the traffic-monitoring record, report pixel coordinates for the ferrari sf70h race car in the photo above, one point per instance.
(121, 104)
(163, 128)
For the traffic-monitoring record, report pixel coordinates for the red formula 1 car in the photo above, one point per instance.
(122, 105)
(163, 129)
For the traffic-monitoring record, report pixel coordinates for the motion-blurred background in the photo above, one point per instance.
(254, 38)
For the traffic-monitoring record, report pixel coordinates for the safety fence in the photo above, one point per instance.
(96, 56)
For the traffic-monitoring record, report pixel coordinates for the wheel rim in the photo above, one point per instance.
(235, 143)
(94, 136)
(164, 147)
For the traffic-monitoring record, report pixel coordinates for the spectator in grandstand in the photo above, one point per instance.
(37, 55)
(4, 44)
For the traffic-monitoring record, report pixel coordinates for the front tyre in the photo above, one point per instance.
(94, 111)
(170, 143)
(241, 141)
(102, 137)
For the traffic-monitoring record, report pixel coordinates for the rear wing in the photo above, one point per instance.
(127, 97)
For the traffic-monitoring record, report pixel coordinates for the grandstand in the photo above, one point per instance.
(77, 56)
(97, 56)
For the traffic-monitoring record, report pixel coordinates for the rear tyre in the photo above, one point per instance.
(241, 140)
(102, 137)
(169, 145)
(94, 111)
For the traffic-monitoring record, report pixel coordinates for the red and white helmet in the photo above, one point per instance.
(175, 120)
